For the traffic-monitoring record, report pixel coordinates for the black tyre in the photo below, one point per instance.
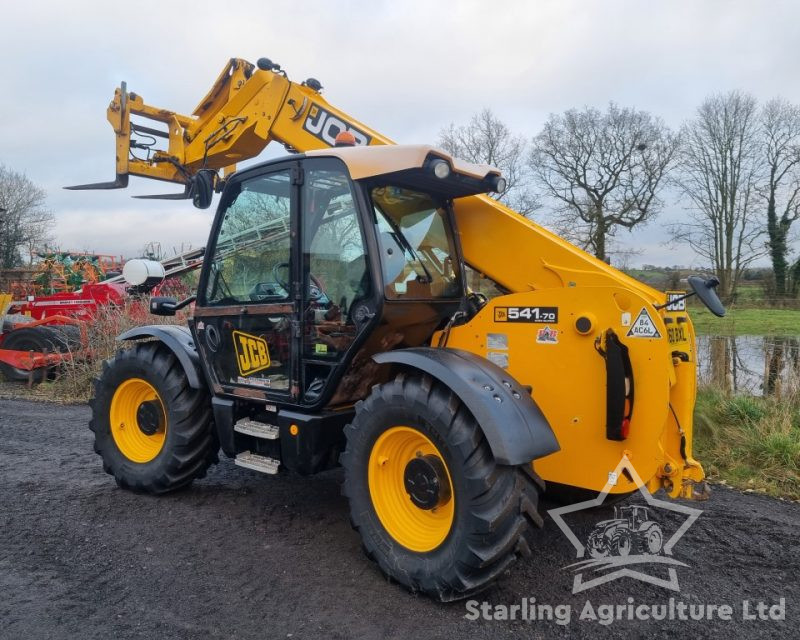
(433, 508)
(153, 431)
(70, 336)
(39, 339)
(12, 319)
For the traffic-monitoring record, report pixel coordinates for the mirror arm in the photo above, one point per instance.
(183, 303)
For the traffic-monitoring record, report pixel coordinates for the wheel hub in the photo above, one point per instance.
(425, 481)
(137, 420)
(411, 489)
(149, 417)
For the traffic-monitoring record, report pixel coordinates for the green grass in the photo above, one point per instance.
(739, 321)
(749, 442)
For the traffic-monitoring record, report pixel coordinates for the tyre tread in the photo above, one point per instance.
(503, 500)
(194, 446)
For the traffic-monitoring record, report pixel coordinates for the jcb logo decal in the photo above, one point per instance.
(326, 126)
(251, 353)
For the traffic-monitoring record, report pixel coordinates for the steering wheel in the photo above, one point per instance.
(315, 291)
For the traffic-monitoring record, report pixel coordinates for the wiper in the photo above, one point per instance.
(403, 242)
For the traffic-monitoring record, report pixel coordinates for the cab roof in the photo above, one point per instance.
(376, 160)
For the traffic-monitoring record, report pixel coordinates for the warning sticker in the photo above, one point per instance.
(500, 358)
(643, 326)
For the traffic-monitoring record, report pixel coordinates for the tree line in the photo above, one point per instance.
(589, 173)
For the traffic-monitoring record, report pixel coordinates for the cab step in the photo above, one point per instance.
(257, 463)
(257, 429)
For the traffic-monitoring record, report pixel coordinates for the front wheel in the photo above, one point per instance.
(598, 545)
(621, 543)
(433, 508)
(153, 431)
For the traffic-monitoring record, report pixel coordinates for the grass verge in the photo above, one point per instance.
(758, 322)
(749, 442)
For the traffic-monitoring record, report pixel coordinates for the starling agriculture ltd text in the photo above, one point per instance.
(529, 610)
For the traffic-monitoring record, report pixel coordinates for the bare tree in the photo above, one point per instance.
(24, 220)
(604, 170)
(487, 140)
(780, 123)
(719, 172)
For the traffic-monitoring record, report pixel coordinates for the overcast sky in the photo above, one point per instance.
(405, 68)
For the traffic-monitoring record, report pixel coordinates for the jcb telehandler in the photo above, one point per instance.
(332, 324)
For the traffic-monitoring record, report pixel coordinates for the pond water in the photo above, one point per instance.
(760, 365)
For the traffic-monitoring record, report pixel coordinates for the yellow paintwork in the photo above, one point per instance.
(366, 162)
(416, 529)
(234, 122)
(244, 114)
(568, 380)
(132, 443)
(5, 301)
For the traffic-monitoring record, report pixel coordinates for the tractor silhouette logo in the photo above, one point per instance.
(637, 536)
(629, 532)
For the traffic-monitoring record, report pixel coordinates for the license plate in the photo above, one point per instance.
(678, 334)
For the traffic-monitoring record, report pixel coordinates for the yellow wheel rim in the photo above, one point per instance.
(413, 527)
(134, 443)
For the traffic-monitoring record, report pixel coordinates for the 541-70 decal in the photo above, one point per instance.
(526, 314)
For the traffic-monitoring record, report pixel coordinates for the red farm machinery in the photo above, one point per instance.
(44, 321)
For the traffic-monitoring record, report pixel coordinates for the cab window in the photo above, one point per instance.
(336, 258)
(251, 256)
(417, 249)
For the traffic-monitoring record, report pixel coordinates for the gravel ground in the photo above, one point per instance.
(240, 555)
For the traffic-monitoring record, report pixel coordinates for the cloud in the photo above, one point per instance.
(405, 68)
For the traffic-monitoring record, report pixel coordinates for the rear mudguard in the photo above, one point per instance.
(512, 422)
(178, 340)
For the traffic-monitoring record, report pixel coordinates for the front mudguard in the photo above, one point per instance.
(178, 340)
(514, 426)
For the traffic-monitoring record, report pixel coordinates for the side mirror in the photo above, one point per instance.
(163, 306)
(201, 188)
(706, 290)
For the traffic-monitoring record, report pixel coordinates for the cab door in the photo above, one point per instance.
(246, 318)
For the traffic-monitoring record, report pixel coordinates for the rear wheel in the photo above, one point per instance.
(153, 431)
(652, 539)
(433, 508)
